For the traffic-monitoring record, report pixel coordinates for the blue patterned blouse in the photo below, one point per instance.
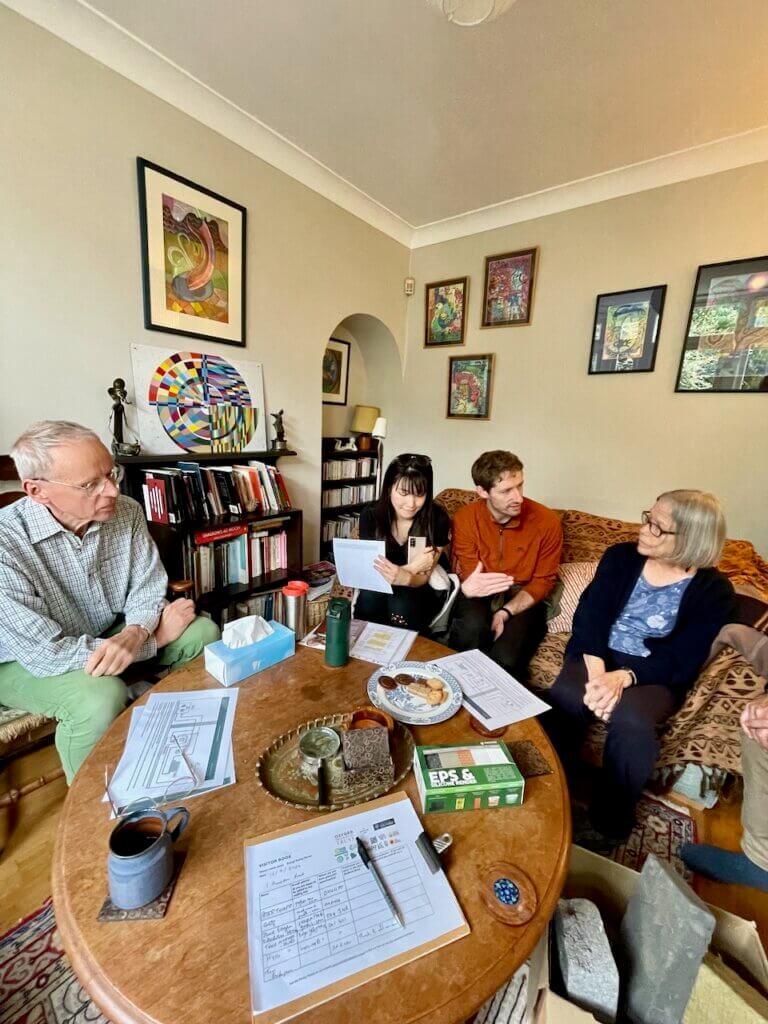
(649, 612)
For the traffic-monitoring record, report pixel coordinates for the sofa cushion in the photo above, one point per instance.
(575, 578)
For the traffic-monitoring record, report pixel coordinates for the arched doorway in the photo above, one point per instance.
(371, 378)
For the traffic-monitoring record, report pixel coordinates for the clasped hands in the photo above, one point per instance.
(604, 689)
(116, 653)
(754, 720)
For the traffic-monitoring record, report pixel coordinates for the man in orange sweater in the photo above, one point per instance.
(506, 550)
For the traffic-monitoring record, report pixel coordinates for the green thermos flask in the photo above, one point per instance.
(337, 631)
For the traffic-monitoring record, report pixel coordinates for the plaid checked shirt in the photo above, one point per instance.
(59, 592)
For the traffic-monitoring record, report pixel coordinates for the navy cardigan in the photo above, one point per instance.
(675, 660)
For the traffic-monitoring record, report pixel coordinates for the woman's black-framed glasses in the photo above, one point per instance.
(656, 530)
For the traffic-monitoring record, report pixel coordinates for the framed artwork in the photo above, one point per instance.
(446, 312)
(626, 330)
(470, 379)
(197, 403)
(192, 258)
(726, 343)
(508, 294)
(336, 372)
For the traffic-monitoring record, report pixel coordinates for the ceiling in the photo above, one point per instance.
(431, 121)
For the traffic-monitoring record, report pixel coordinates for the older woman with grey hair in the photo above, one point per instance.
(641, 632)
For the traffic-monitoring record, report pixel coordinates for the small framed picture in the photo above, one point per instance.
(446, 312)
(508, 295)
(336, 372)
(192, 257)
(626, 330)
(726, 344)
(470, 379)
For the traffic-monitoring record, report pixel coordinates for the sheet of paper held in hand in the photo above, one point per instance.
(318, 924)
(491, 695)
(354, 564)
(199, 723)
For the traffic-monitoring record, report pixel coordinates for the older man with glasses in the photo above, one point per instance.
(82, 590)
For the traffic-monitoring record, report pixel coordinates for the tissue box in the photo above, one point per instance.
(232, 664)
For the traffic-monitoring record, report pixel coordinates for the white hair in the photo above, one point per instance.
(700, 527)
(32, 452)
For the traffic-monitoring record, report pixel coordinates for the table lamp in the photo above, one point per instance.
(363, 421)
(380, 432)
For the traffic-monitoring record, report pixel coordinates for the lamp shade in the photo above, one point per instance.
(364, 418)
(380, 428)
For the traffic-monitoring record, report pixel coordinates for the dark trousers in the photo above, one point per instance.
(471, 628)
(406, 607)
(631, 745)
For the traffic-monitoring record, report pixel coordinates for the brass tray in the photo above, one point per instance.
(279, 770)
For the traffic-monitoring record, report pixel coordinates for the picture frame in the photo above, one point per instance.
(725, 348)
(193, 257)
(508, 292)
(470, 386)
(445, 312)
(625, 333)
(336, 372)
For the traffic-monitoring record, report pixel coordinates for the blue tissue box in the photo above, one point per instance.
(232, 664)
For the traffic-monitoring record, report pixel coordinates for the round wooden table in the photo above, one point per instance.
(192, 966)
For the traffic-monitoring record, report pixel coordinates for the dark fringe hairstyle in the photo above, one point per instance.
(415, 473)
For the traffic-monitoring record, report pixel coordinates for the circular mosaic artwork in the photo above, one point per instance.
(203, 403)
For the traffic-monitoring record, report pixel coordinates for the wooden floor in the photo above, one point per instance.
(28, 831)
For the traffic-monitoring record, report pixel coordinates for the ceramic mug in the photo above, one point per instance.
(140, 859)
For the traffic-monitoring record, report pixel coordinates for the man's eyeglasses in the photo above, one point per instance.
(654, 528)
(96, 487)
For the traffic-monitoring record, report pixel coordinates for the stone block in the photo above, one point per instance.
(587, 967)
(665, 932)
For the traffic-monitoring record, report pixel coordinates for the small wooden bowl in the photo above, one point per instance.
(371, 718)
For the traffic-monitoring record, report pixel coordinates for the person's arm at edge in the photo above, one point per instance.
(147, 584)
(464, 548)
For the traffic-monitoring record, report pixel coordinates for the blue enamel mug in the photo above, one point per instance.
(140, 859)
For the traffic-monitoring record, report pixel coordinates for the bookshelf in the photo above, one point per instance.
(177, 542)
(348, 484)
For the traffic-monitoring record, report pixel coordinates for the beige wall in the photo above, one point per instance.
(70, 270)
(607, 444)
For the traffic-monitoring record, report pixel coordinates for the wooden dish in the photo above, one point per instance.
(279, 773)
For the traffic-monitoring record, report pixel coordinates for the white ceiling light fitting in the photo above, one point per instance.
(467, 13)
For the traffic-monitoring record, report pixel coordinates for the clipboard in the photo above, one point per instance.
(380, 820)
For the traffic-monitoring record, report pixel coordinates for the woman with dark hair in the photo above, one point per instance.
(405, 510)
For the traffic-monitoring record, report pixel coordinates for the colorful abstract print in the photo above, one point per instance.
(196, 261)
(203, 403)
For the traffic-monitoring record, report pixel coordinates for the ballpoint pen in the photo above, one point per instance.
(365, 857)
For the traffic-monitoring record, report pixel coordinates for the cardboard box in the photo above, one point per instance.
(233, 664)
(467, 777)
(609, 886)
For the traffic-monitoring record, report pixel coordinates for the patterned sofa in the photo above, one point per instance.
(705, 731)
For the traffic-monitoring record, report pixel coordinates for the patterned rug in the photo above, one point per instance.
(660, 829)
(37, 985)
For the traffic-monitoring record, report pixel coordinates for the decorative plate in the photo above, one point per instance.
(406, 706)
(280, 772)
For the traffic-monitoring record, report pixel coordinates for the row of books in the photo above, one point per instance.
(337, 497)
(269, 605)
(189, 492)
(340, 526)
(239, 553)
(345, 469)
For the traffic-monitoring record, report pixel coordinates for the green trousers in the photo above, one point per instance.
(84, 705)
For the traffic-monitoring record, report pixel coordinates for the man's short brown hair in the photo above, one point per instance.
(489, 468)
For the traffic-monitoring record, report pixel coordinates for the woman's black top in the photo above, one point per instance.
(396, 553)
(674, 660)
